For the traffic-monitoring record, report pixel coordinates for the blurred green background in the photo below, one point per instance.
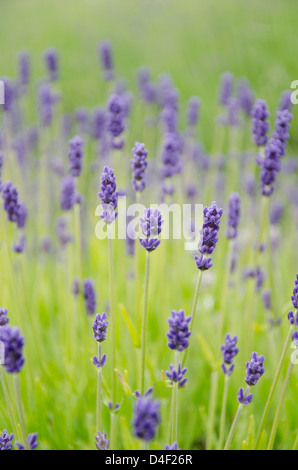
(195, 41)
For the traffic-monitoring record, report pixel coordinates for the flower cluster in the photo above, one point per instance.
(146, 417)
(101, 441)
(179, 331)
(229, 352)
(108, 195)
(75, 155)
(151, 227)
(13, 345)
(177, 375)
(6, 440)
(208, 239)
(16, 212)
(100, 326)
(254, 369)
(260, 124)
(4, 320)
(281, 130)
(139, 165)
(116, 112)
(89, 296)
(105, 52)
(234, 213)
(294, 297)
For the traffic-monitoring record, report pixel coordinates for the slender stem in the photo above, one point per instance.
(225, 290)
(223, 412)
(279, 406)
(274, 385)
(20, 409)
(235, 422)
(193, 310)
(113, 328)
(9, 404)
(212, 408)
(78, 240)
(98, 395)
(175, 404)
(144, 322)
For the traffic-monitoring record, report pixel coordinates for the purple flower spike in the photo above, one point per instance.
(100, 363)
(260, 124)
(234, 213)
(67, 196)
(101, 441)
(285, 101)
(244, 399)
(13, 345)
(177, 375)
(89, 296)
(174, 446)
(212, 216)
(108, 195)
(139, 165)
(75, 155)
(229, 351)
(4, 320)
(6, 440)
(116, 113)
(51, 61)
(151, 227)
(293, 318)
(10, 200)
(179, 331)
(146, 418)
(100, 326)
(282, 127)
(106, 59)
(245, 97)
(254, 369)
(294, 297)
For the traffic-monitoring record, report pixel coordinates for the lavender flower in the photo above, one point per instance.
(67, 196)
(260, 124)
(243, 398)
(51, 61)
(89, 296)
(10, 200)
(75, 155)
(31, 440)
(259, 277)
(234, 212)
(254, 369)
(174, 446)
(4, 320)
(151, 227)
(100, 363)
(106, 59)
(21, 215)
(177, 375)
(172, 148)
(139, 165)
(285, 101)
(193, 108)
(293, 318)
(229, 351)
(226, 87)
(211, 224)
(270, 166)
(179, 331)
(281, 131)
(100, 326)
(295, 338)
(13, 345)
(146, 418)
(276, 213)
(97, 124)
(6, 440)
(294, 297)
(266, 296)
(108, 195)
(245, 97)
(116, 113)
(101, 441)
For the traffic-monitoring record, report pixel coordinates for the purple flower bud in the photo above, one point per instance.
(101, 441)
(18, 247)
(10, 200)
(244, 399)
(226, 86)
(285, 101)
(63, 235)
(179, 331)
(295, 338)
(229, 352)
(13, 346)
(4, 320)
(254, 369)
(24, 68)
(193, 108)
(245, 96)
(266, 296)
(151, 227)
(6, 440)
(100, 326)
(139, 165)
(177, 375)
(294, 297)
(174, 446)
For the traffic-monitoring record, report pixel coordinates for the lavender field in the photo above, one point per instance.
(148, 225)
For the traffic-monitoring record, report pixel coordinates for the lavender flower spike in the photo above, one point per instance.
(294, 297)
(100, 326)
(254, 369)
(151, 227)
(106, 59)
(208, 239)
(101, 441)
(67, 196)
(177, 375)
(179, 331)
(108, 195)
(10, 200)
(6, 440)
(51, 60)
(75, 155)
(146, 418)
(229, 351)
(282, 127)
(234, 213)
(260, 124)
(139, 165)
(89, 296)
(13, 343)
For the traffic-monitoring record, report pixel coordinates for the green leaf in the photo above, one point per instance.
(131, 327)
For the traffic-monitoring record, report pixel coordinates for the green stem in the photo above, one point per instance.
(9, 404)
(223, 412)
(235, 422)
(212, 408)
(144, 323)
(279, 406)
(225, 290)
(98, 395)
(193, 311)
(175, 404)
(113, 328)
(274, 385)
(20, 409)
